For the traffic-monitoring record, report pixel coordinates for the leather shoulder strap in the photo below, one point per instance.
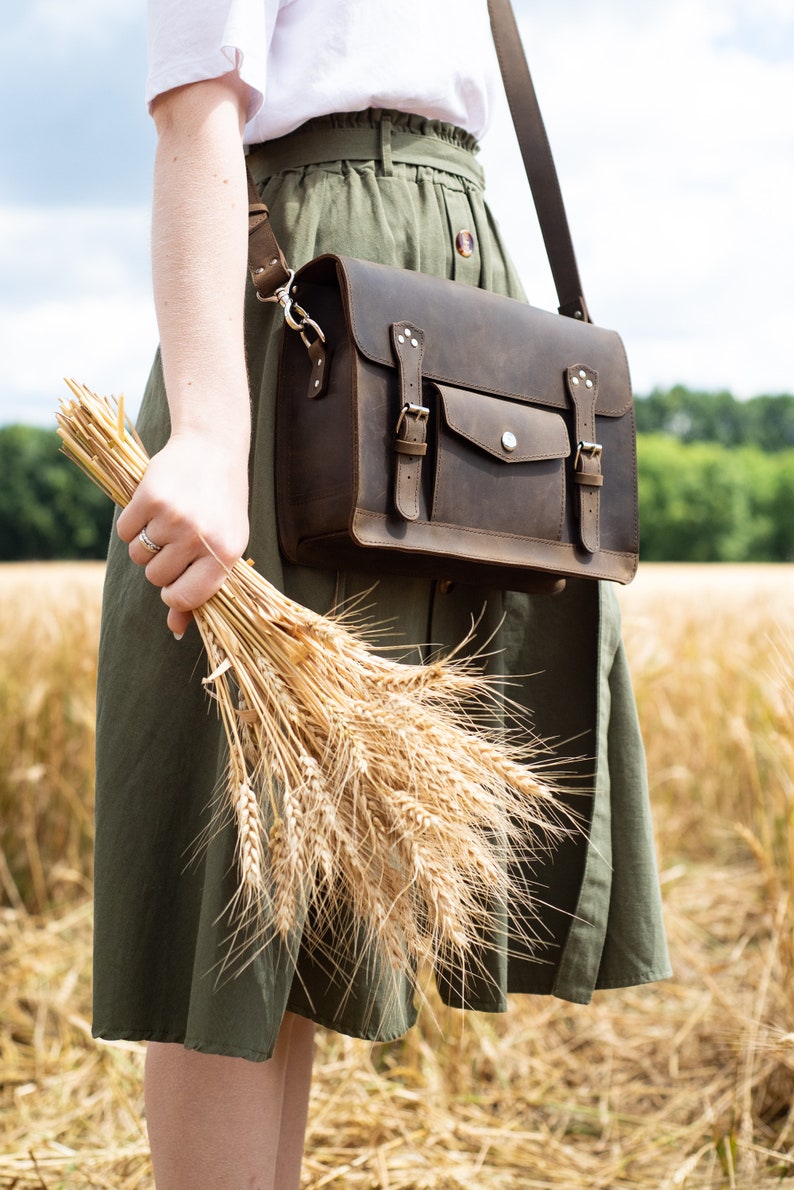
(538, 160)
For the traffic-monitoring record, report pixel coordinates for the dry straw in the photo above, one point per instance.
(685, 1085)
(369, 787)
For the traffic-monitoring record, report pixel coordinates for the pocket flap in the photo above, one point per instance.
(509, 431)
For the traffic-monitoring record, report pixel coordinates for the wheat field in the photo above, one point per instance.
(687, 1083)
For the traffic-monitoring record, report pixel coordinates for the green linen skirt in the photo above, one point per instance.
(396, 189)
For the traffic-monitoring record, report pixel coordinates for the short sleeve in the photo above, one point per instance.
(193, 40)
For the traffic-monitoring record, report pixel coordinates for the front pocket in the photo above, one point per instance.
(500, 465)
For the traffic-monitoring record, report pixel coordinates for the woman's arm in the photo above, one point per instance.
(193, 500)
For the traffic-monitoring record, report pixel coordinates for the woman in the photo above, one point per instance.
(229, 1059)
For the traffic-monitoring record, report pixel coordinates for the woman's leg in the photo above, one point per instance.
(217, 1122)
(294, 1100)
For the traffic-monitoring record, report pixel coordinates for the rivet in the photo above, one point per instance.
(317, 384)
(582, 373)
(401, 338)
(589, 383)
(414, 342)
(408, 331)
(574, 380)
(464, 242)
(509, 441)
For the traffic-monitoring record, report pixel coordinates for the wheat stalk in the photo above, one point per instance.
(367, 786)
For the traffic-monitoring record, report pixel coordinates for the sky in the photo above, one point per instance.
(672, 125)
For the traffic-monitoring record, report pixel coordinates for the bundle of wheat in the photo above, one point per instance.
(360, 784)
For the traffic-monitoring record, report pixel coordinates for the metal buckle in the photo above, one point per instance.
(593, 449)
(420, 412)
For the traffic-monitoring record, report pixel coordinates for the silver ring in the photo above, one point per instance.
(147, 543)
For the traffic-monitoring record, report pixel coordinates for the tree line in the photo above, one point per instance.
(48, 508)
(716, 484)
(766, 422)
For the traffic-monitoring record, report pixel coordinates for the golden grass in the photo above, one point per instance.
(689, 1083)
(49, 618)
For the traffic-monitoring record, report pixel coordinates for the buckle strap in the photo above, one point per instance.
(583, 391)
(410, 440)
(269, 270)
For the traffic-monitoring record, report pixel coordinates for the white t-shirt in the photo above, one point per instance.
(305, 58)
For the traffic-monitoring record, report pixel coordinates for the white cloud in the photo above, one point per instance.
(79, 250)
(107, 346)
(674, 139)
(62, 24)
(75, 301)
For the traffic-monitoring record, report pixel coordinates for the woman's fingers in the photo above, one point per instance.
(193, 584)
(178, 622)
(134, 520)
(145, 546)
(187, 574)
(186, 579)
(187, 523)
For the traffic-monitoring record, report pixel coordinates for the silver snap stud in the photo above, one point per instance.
(509, 441)
(401, 338)
(574, 380)
(582, 373)
(414, 342)
(588, 383)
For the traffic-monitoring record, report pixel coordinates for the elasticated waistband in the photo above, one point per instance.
(387, 138)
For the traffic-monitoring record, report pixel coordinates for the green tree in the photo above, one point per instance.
(48, 508)
(781, 514)
(690, 505)
(703, 502)
(691, 416)
(770, 422)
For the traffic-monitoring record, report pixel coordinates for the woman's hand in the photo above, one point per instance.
(193, 504)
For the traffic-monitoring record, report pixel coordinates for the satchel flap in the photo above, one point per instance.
(475, 339)
(511, 432)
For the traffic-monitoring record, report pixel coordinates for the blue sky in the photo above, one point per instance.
(673, 128)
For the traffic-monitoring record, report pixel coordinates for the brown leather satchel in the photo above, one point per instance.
(425, 427)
